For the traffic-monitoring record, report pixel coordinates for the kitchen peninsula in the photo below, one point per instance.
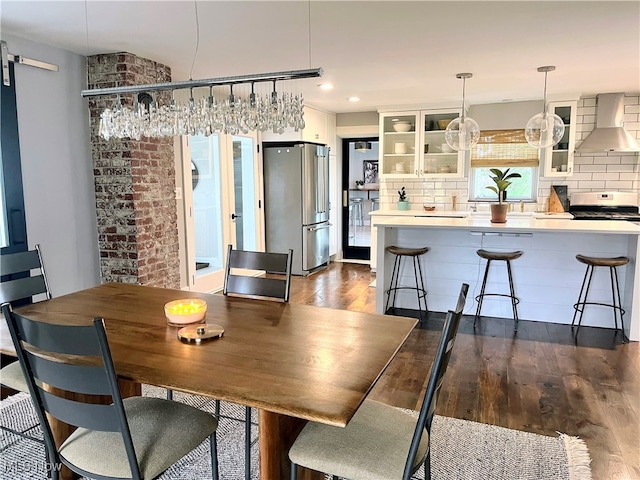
(547, 277)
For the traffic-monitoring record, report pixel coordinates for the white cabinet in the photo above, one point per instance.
(558, 160)
(320, 127)
(412, 144)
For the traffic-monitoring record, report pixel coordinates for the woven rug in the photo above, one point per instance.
(461, 450)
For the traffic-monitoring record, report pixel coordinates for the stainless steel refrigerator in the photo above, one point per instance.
(296, 202)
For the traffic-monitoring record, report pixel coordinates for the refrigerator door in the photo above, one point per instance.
(315, 246)
(315, 184)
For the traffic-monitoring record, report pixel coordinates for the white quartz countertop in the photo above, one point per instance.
(464, 214)
(515, 223)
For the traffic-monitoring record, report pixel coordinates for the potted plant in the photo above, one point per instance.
(403, 204)
(501, 179)
(359, 184)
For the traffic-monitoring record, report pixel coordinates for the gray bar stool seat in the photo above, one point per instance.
(421, 291)
(591, 263)
(499, 256)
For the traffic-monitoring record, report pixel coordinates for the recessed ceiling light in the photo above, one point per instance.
(325, 86)
(354, 99)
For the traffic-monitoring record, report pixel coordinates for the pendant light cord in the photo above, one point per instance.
(544, 105)
(309, 23)
(464, 81)
(195, 54)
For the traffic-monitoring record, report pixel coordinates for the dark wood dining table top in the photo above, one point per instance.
(302, 361)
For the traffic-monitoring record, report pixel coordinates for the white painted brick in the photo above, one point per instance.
(591, 184)
(582, 160)
(617, 184)
(629, 159)
(590, 119)
(606, 160)
(606, 176)
(590, 168)
(587, 110)
(632, 100)
(629, 177)
(584, 127)
(588, 101)
(571, 184)
(632, 125)
(626, 168)
(582, 176)
(628, 109)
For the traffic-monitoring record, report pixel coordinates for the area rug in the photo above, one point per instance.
(461, 450)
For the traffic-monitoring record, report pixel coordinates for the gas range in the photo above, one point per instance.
(605, 206)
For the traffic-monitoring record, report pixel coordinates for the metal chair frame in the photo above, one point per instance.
(582, 301)
(512, 294)
(427, 410)
(420, 288)
(81, 376)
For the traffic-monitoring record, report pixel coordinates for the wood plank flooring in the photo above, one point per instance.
(537, 380)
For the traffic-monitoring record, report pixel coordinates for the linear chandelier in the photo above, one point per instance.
(233, 114)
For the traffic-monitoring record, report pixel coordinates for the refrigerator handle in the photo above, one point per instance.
(322, 175)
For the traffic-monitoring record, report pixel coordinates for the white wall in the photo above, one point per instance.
(53, 123)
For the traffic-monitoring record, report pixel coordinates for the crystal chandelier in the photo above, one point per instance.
(234, 114)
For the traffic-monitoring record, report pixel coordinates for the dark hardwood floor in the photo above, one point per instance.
(537, 380)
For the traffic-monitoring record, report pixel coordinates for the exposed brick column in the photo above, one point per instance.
(134, 184)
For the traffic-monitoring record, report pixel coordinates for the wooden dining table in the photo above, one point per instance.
(294, 363)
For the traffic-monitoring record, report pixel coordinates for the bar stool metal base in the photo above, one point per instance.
(420, 289)
(500, 256)
(579, 306)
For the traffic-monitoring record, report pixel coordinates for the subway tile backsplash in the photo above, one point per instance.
(592, 172)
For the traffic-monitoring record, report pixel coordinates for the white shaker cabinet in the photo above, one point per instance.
(412, 144)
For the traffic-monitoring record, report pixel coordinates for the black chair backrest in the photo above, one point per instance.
(16, 282)
(74, 360)
(279, 263)
(438, 369)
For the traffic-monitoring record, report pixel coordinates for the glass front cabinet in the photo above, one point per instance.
(558, 160)
(413, 145)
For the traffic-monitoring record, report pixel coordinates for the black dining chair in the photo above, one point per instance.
(22, 276)
(380, 441)
(237, 281)
(135, 438)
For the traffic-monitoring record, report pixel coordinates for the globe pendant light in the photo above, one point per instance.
(462, 133)
(544, 129)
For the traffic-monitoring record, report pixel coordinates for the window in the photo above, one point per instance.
(503, 149)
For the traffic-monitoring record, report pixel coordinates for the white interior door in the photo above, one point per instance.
(223, 200)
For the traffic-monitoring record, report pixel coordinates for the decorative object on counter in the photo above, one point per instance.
(359, 184)
(402, 126)
(463, 132)
(558, 199)
(429, 208)
(501, 179)
(544, 129)
(185, 311)
(403, 204)
(454, 202)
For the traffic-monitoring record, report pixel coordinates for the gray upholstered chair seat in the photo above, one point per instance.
(11, 376)
(162, 432)
(374, 444)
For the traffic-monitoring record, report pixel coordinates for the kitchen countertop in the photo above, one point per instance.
(464, 213)
(514, 223)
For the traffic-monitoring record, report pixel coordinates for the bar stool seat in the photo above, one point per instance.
(355, 208)
(498, 256)
(420, 289)
(591, 263)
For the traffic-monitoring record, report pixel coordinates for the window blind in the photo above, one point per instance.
(503, 148)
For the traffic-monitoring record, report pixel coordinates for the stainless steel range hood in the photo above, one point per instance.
(609, 134)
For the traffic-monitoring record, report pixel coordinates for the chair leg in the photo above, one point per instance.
(514, 304)
(214, 455)
(575, 307)
(625, 339)
(294, 471)
(217, 409)
(427, 466)
(422, 286)
(481, 296)
(395, 273)
(589, 271)
(247, 443)
(169, 394)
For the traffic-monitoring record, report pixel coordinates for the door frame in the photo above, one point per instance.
(351, 252)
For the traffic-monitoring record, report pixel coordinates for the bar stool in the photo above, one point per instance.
(506, 257)
(591, 263)
(421, 291)
(355, 208)
(375, 204)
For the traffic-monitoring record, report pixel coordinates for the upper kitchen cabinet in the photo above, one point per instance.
(320, 127)
(413, 145)
(558, 160)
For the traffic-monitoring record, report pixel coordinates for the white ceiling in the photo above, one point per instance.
(385, 52)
